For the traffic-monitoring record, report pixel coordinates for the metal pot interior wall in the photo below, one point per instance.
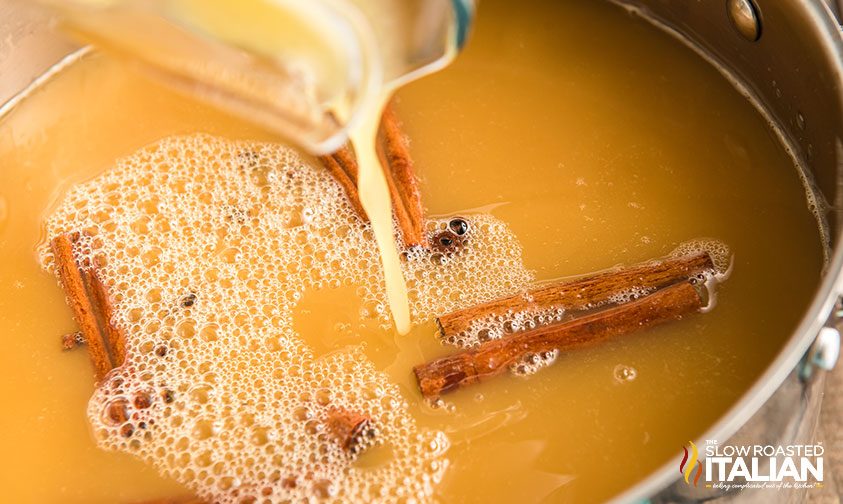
(792, 66)
(786, 56)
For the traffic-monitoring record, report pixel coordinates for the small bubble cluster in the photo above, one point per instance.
(496, 326)
(720, 253)
(628, 295)
(623, 373)
(459, 269)
(532, 363)
(207, 245)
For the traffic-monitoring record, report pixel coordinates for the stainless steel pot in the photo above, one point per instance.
(787, 57)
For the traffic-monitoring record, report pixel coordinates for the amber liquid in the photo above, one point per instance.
(596, 146)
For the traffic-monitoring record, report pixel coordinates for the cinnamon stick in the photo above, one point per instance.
(345, 157)
(73, 279)
(92, 308)
(400, 177)
(583, 293)
(114, 336)
(349, 184)
(404, 187)
(354, 431)
(492, 358)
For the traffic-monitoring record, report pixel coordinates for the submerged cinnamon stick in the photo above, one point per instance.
(583, 293)
(348, 183)
(400, 176)
(345, 157)
(355, 432)
(89, 299)
(471, 366)
(114, 336)
(74, 281)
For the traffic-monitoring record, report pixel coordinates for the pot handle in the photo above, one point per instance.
(825, 350)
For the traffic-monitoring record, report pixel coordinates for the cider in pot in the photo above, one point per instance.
(565, 149)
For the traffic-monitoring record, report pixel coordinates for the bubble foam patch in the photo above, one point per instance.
(207, 245)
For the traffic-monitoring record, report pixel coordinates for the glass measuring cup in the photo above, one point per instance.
(302, 68)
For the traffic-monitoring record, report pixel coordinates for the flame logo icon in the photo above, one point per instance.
(689, 462)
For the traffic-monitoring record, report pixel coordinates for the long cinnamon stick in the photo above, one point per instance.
(400, 176)
(583, 293)
(404, 187)
(345, 157)
(114, 336)
(471, 366)
(349, 184)
(73, 279)
(92, 308)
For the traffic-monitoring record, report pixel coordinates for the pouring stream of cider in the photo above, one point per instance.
(302, 69)
(374, 196)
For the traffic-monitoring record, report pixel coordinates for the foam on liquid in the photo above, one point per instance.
(207, 246)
